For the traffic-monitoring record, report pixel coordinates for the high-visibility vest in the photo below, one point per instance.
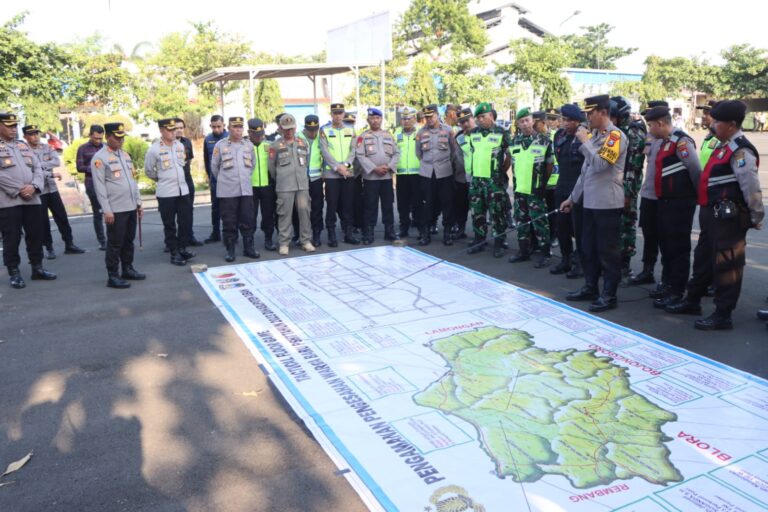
(260, 174)
(528, 166)
(463, 142)
(707, 148)
(409, 162)
(556, 170)
(485, 152)
(339, 140)
(315, 159)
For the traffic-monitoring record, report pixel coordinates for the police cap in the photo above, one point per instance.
(116, 129)
(337, 108)
(30, 129)
(312, 122)
(9, 119)
(167, 124)
(255, 125)
(603, 101)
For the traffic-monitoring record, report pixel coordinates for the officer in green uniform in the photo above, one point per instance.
(532, 163)
(264, 197)
(315, 174)
(409, 204)
(488, 192)
(462, 174)
(633, 176)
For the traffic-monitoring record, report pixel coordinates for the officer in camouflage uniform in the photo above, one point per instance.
(532, 163)
(636, 132)
(488, 147)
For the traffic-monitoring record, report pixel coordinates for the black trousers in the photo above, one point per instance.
(236, 212)
(376, 191)
(98, 221)
(265, 200)
(650, 226)
(569, 227)
(339, 196)
(719, 258)
(674, 218)
(358, 204)
(442, 189)
(215, 206)
(191, 187)
(52, 201)
(601, 248)
(12, 220)
(120, 237)
(409, 202)
(460, 204)
(316, 200)
(550, 197)
(176, 214)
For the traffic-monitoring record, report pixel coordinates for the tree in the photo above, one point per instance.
(421, 89)
(540, 64)
(591, 49)
(431, 26)
(464, 80)
(745, 72)
(267, 100)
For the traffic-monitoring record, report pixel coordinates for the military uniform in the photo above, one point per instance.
(633, 179)
(263, 186)
(436, 150)
(409, 204)
(374, 149)
(731, 202)
(50, 199)
(232, 164)
(315, 174)
(676, 176)
(116, 189)
(488, 188)
(288, 168)
(20, 168)
(532, 162)
(601, 187)
(164, 164)
(337, 145)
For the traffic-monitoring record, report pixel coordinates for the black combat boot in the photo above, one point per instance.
(268, 243)
(316, 237)
(523, 252)
(332, 240)
(50, 254)
(424, 237)
(546, 255)
(498, 247)
(71, 248)
(229, 255)
(389, 233)
(132, 274)
(404, 230)
(177, 259)
(478, 244)
(248, 249)
(447, 237)
(576, 272)
(644, 277)
(349, 236)
(40, 274)
(368, 235)
(187, 255)
(215, 237)
(15, 277)
(114, 281)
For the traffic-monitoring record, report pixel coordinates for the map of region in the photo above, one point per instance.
(537, 412)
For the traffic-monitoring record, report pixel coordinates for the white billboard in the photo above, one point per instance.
(362, 41)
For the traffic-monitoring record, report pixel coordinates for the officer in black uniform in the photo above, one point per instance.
(730, 203)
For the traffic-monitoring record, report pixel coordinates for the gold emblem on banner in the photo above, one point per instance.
(452, 498)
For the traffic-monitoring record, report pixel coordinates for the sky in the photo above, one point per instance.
(655, 27)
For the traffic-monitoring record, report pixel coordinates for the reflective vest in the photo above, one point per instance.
(718, 180)
(530, 166)
(708, 146)
(409, 162)
(260, 174)
(486, 153)
(463, 141)
(672, 179)
(556, 170)
(339, 141)
(315, 158)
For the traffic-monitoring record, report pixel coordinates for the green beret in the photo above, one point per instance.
(483, 108)
(523, 112)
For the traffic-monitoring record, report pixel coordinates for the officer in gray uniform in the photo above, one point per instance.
(50, 199)
(118, 194)
(378, 154)
(601, 187)
(232, 164)
(21, 181)
(164, 163)
(436, 150)
(288, 168)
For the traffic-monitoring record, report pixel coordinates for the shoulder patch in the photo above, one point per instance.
(215, 151)
(611, 147)
(97, 164)
(272, 152)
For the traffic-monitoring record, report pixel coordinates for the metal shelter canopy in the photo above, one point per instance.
(251, 73)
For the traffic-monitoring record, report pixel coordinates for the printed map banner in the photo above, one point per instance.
(451, 391)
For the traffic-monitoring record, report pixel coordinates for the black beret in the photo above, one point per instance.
(312, 122)
(256, 125)
(729, 110)
(602, 101)
(571, 111)
(652, 114)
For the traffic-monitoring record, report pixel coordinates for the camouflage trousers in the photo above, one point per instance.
(629, 221)
(487, 196)
(531, 211)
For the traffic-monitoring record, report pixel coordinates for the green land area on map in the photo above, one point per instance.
(538, 412)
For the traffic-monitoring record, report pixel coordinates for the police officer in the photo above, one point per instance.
(452, 117)
(337, 145)
(315, 173)
(83, 163)
(288, 168)
(462, 174)
(218, 132)
(532, 163)
(600, 185)
(50, 199)
(262, 185)
(21, 181)
(189, 153)
(409, 204)
(488, 188)
(118, 194)
(648, 222)
(164, 164)
(710, 142)
(730, 203)
(570, 161)
(378, 153)
(633, 176)
(358, 203)
(436, 149)
(232, 164)
(676, 176)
